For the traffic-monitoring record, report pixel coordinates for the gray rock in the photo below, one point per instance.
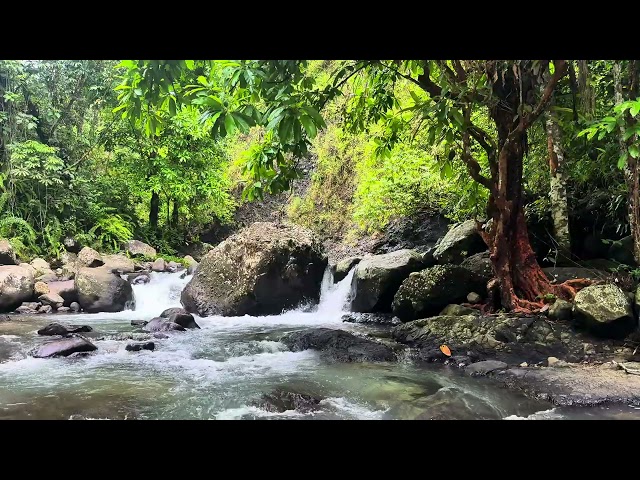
(484, 367)
(75, 307)
(7, 255)
(25, 310)
(42, 267)
(261, 270)
(139, 323)
(119, 263)
(185, 320)
(40, 288)
(343, 267)
(377, 278)
(16, 286)
(173, 267)
(138, 248)
(282, 401)
(160, 324)
(53, 299)
(66, 289)
(99, 290)
(338, 345)
(64, 309)
(560, 310)
(138, 278)
(371, 318)
(171, 311)
(88, 257)
(460, 242)
(474, 297)
(604, 310)
(159, 265)
(59, 329)
(45, 309)
(480, 264)
(426, 292)
(457, 310)
(71, 245)
(136, 347)
(65, 347)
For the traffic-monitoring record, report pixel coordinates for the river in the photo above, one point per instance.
(222, 370)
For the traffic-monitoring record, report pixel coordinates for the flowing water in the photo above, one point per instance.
(222, 370)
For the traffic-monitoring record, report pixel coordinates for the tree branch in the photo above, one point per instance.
(560, 71)
(460, 71)
(473, 167)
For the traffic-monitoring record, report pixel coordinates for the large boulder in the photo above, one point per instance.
(160, 324)
(604, 310)
(460, 242)
(66, 289)
(427, 292)
(376, 279)
(16, 286)
(7, 255)
(100, 290)
(338, 345)
(42, 267)
(119, 263)
(260, 270)
(343, 267)
(137, 248)
(88, 257)
(192, 264)
(65, 347)
(480, 264)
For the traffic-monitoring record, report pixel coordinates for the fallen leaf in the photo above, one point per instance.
(444, 349)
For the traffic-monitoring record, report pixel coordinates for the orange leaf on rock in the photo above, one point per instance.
(444, 349)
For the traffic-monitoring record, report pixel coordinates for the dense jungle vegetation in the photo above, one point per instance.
(106, 151)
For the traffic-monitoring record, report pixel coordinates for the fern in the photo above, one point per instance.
(111, 231)
(21, 236)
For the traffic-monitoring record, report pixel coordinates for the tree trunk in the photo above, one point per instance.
(154, 210)
(631, 170)
(558, 190)
(587, 96)
(519, 281)
(175, 213)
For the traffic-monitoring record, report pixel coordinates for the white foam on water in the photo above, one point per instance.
(550, 414)
(238, 413)
(352, 409)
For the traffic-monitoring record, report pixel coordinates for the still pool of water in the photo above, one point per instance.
(221, 372)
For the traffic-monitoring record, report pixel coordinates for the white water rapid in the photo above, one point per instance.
(223, 369)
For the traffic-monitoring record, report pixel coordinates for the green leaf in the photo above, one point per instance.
(172, 106)
(457, 116)
(622, 161)
(634, 151)
(229, 124)
(190, 64)
(285, 129)
(240, 122)
(309, 126)
(313, 113)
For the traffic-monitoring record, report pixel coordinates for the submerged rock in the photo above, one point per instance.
(99, 290)
(59, 329)
(136, 347)
(371, 318)
(184, 319)
(460, 242)
(282, 401)
(263, 269)
(426, 292)
(170, 311)
(139, 323)
(160, 324)
(338, 345)
(16, 286)
(605, 311)
(484, 367)
(377, 278)
(138, 278)
(65, 347)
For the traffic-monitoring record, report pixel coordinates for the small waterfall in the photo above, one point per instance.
(334, 296)
(162, 292)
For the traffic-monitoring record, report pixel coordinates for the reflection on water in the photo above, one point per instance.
(222, 370)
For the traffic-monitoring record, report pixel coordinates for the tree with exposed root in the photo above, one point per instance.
(478, 112)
